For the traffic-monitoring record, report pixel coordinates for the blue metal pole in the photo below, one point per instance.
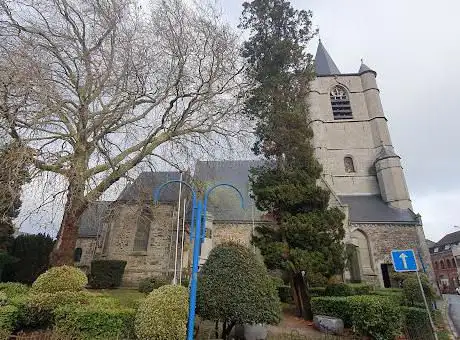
(193, 287)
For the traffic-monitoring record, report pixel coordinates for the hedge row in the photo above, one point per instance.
(106, 273)
(369, 315)
(343, 289)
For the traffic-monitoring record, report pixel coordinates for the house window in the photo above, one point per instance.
(436, 265)
(435, 250)
(447, 246)
(448, 263)
(349, 165)
(141, 240)
(341, 108)
(77, 254)
(442, 264)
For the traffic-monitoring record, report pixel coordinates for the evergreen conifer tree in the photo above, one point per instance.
(306, 241)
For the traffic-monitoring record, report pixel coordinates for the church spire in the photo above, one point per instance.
(324, 65)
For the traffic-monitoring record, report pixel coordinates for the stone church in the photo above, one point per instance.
(361, 169)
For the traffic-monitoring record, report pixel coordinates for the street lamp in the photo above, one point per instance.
(198, 222)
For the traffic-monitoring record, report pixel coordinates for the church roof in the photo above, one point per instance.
(324, 65)
(224, 204)
(91, 220)
(372, 209)
(146, 183)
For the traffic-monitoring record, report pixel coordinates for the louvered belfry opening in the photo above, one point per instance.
(340, 103)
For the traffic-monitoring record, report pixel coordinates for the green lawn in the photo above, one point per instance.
(127, 297)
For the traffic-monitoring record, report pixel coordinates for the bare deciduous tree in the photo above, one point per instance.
(94, 88)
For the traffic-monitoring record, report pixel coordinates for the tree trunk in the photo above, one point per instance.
(302, 297)
(62, 253)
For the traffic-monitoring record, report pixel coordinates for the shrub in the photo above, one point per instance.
(336, 306)
(32, 254)
(234, 287)
(375, 316)
(3, 299)
(395, 296)
(150, 283)
(8, 317)
(93, 322)
(12, 289)
(106, 273)
(37, 310)
(416, 320)
(317, 291)
(339, 289)
(362, 288)
(163, 314)
(64, 278)
(411, 290)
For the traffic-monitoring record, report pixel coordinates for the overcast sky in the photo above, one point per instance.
(414, 45)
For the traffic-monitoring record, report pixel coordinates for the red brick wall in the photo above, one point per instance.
(449, 273)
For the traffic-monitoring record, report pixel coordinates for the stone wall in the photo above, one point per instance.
(119, 243)
(444, 272)
(235, 232)
(87, 246)
(383, 238)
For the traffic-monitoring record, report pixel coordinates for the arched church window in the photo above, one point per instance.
(77, 254)
(349, 165)
(141, 239)
(340, 102)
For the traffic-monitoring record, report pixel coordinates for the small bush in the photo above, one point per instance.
(336, 306)
(416, 320)
(12, 289)
(339, 289)
(64, 278)
(375, 316)
(163, 314)
(317, 291)
(148, 284)
(93, 322)
(106, 274)
(395, 295)
(412, 293)
(362, 288)
(8, 317)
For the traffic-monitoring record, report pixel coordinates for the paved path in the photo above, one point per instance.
(454, 310)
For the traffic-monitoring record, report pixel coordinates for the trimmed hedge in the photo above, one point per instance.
(362, 288)
(395, 295)
(375, 316)
(63, 278)
(336, 306)
(163, 314)
(317, 291)
(148, 284)
(339, 289)
(106, 273)
(12, 289)
(8, 317)
(92, 322)
(38, 310)
(416, 320)
(3, 299)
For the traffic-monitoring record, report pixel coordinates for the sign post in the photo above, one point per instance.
(405, 261)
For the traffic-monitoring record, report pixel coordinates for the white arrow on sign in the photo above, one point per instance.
(403, 258)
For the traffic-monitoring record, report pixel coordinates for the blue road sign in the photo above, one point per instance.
(404, 260)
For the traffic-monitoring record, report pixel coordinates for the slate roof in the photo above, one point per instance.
(224, 204)
(324, 65)
(92, 218)
(430, 243)
(371, 208)
(146, 183)
(449, 239)
(364, 68)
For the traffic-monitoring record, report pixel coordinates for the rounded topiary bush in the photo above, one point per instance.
(64, 278)
(148, 284)
(163, 314)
